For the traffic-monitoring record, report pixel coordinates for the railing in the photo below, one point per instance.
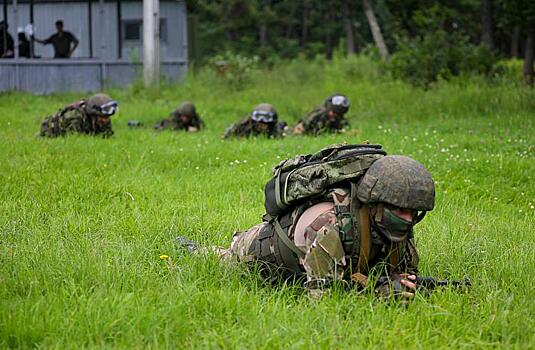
(45, 76)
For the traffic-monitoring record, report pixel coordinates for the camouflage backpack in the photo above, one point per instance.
(301, 178)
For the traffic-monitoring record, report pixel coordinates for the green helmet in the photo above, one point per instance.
(187, 109)
(337, 103)
(101, 104)
(399, 181)
(264, 113)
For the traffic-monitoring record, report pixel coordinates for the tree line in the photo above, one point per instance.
(440, 32)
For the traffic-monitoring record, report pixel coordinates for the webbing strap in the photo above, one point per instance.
(278, 190)
(365, 238)
(284, 238)
(394, 256)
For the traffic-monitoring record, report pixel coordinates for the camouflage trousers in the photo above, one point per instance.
(323, 254)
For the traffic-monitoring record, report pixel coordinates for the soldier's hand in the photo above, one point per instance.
(401, 286)
(299, 129)
(192, 129)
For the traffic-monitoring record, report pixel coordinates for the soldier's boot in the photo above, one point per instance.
(187, 244)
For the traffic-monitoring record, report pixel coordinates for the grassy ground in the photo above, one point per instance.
(84, 221)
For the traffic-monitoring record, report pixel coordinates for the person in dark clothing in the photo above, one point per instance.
(7, 45)
(24, 45)
(64, 42)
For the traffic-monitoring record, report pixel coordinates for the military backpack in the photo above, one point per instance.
(304, 177)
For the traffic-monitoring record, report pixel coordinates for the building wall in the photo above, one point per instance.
(104, 27)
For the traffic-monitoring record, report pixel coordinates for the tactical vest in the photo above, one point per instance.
(275, 248)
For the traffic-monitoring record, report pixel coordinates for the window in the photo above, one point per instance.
(133, 30)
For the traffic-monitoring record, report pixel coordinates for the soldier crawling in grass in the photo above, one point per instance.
(263, 120)
(342, 214)
(329, 118)
(184, 118)
(91, 117)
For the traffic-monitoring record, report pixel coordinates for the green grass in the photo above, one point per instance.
(83, 221)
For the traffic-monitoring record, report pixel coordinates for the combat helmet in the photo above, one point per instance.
(399, 181)
(188, 109)
(101, 104)
(338, 103)
(264, 113)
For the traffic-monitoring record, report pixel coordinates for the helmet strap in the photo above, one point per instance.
(419, 217)
(379, 212)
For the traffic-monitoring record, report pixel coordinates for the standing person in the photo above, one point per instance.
(91, 117)
(329, 118)
(64, 42)
(24, 44)
(185, 118)
(263, 120)
(7, 45)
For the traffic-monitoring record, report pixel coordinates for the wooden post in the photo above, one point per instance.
(151, 42)
(16, 31)
(90, 27)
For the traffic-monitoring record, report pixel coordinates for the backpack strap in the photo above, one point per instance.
(365, 238)
(394, 256)
(283, 236)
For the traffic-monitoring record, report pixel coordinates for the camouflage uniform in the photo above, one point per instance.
(328, 254)
(330, 248)
(185, 118)
(77, 118)
(328, 118)
(248, 126)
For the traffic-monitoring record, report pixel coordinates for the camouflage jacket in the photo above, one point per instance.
(73, 119)
(173, 122)
(247, 127)
(318, 121)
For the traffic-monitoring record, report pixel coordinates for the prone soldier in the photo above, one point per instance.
(185, 118)
(91, 117)
(263, 120)
(329, 118)
(351, 231)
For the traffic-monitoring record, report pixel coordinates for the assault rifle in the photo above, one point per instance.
(428, 283)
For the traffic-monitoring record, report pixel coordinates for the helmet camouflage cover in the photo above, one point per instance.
(187, 109)
(400, 181)
(338, 103)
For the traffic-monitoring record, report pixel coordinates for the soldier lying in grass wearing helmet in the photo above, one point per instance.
(357, 221)
(185, 118)
(263, 120)
(91, 117)
(329, 118)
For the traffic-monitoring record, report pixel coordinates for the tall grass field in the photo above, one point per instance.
(87, 258)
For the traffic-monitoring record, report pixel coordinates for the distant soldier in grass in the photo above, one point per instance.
(91, 117)
(348, 232)
(185, 118)
(263, 120)
(329, 118)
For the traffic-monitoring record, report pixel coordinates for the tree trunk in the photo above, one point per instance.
(376, 30)
(262, 35)
(515, 42)
(304, 27)
(348, 28)
(528, 58)
(486, 24)
(328, 35)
